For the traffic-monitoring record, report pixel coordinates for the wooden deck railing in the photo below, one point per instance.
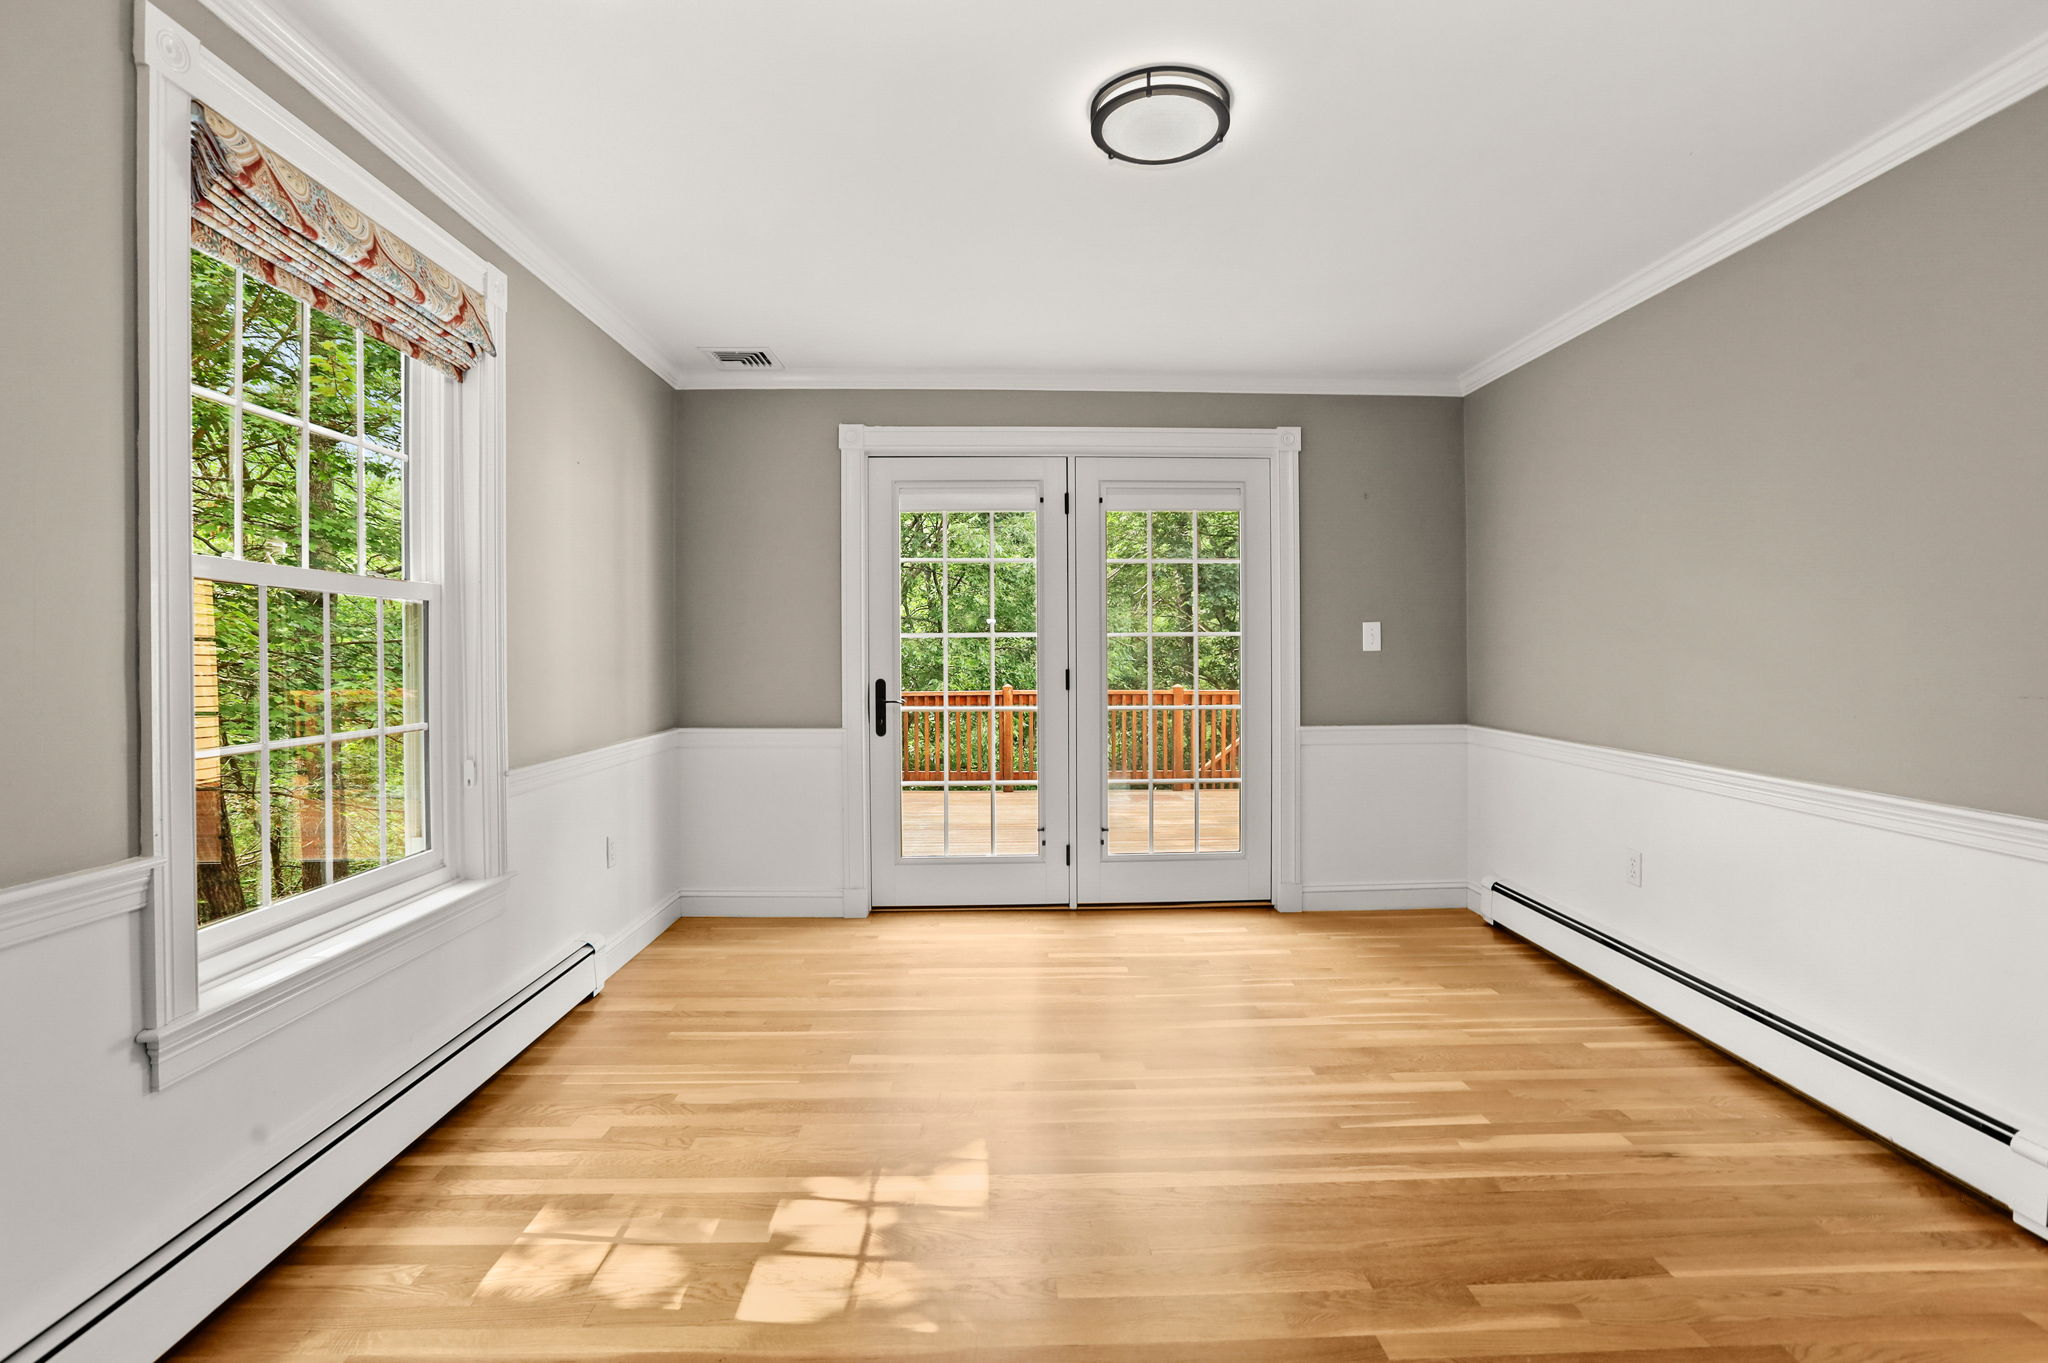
(1189, 738)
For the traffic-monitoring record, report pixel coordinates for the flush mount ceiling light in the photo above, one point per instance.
(1158, 115)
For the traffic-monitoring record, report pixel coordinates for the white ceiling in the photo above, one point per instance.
(904, 190)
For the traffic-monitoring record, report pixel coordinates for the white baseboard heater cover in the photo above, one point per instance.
(154, 1304)
(1954, 1140)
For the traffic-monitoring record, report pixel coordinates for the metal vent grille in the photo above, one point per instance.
(742, 358)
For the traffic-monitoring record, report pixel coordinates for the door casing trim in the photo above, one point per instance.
(1278, 446)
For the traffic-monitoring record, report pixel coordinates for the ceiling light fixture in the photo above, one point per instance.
(1158, 115)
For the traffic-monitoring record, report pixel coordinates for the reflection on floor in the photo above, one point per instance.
(1166, 1136)
(1173, 816)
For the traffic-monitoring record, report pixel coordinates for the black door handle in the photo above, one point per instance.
(881, 708)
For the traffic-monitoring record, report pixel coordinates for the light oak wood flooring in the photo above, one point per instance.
(1175, 1136)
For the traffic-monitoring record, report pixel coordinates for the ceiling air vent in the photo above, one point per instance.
(742, 358)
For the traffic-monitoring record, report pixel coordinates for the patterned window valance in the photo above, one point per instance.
(257, 210)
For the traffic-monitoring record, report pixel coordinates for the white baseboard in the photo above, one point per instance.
(636, 938)
(147, 1309)
(761, 904)
(1385, 894)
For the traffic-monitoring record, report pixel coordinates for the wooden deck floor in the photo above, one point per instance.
(1015, 813)
(1159, 1137)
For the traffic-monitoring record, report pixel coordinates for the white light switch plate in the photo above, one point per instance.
(1372, 636)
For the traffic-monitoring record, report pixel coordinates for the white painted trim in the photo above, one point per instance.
(142, 1311)
(249, 1007)
(42, 908)
(2007, 834)
(690, 739)
(749, 903)
(462, 496)
(1279, 445)
(370, 112)
(2003, 83)
(614, 952)
(541, 775)
(1379, 735)
(694, 379)
(1372, 895)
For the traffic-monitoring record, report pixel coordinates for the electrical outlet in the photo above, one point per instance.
(1371, 631)
(611, 852)
(1635, 869)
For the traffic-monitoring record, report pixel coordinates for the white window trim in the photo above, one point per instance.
(197, 1012)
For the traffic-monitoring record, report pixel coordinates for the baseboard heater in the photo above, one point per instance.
(2003, 1132)
(152, 1305)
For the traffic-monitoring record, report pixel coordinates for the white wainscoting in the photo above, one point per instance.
(760, 822)
(1914, 934)
(1383, 817)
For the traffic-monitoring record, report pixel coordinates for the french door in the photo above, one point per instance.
(1071, 696)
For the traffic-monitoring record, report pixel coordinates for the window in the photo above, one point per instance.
(311, 736)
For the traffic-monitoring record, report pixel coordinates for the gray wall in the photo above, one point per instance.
(758, 520)
(1789, 516)
(591, 583)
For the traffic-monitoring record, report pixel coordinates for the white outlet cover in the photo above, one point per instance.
(1371, 631)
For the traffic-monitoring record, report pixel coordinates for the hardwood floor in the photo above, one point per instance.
(1175, 1136)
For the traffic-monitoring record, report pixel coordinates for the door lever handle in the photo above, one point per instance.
(882, 704)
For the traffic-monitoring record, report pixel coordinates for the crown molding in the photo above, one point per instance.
(369, 112)
(2003, 83)
(1080, 381)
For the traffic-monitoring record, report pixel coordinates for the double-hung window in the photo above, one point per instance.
(323, 404)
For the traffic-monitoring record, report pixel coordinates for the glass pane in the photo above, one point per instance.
(923, 534)
(1130, 819)
(1014, 744)
(332, 381)
(383, 395)
(213, 323)
(405, 802)
(1124, 534)
(230, 836)
(970, 821)
(1017, 666)
(297, 640)
(1173, 665)
(270, 347)
(1173, 597)
(967, 534)
(1126, 598)
(922, 605)
(1127, 671)
(358, 817)
(1173, 739)
(924, 742)
(924, 821)
(331, 500)
(1218, 661)
(967, 603)
(1218, 533)
(224, 664)
(383, 514)
(353, 663)
(1016, 821)
(967, 744)
(1219, 819)
(270, 490)
(923, 667)
(1218, 603)
(1218, 749)
(298, 819)
(1129, 748)
(1173, 534)
(1173, 818)
(405, 667)
(213, 479)
(1016, 534)
(1016, 603)
(967, 669)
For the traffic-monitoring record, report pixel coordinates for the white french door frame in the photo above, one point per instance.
(1279, 447)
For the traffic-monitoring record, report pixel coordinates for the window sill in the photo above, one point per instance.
(247, 1007)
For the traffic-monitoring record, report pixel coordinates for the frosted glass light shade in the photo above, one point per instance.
(1158, 115)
